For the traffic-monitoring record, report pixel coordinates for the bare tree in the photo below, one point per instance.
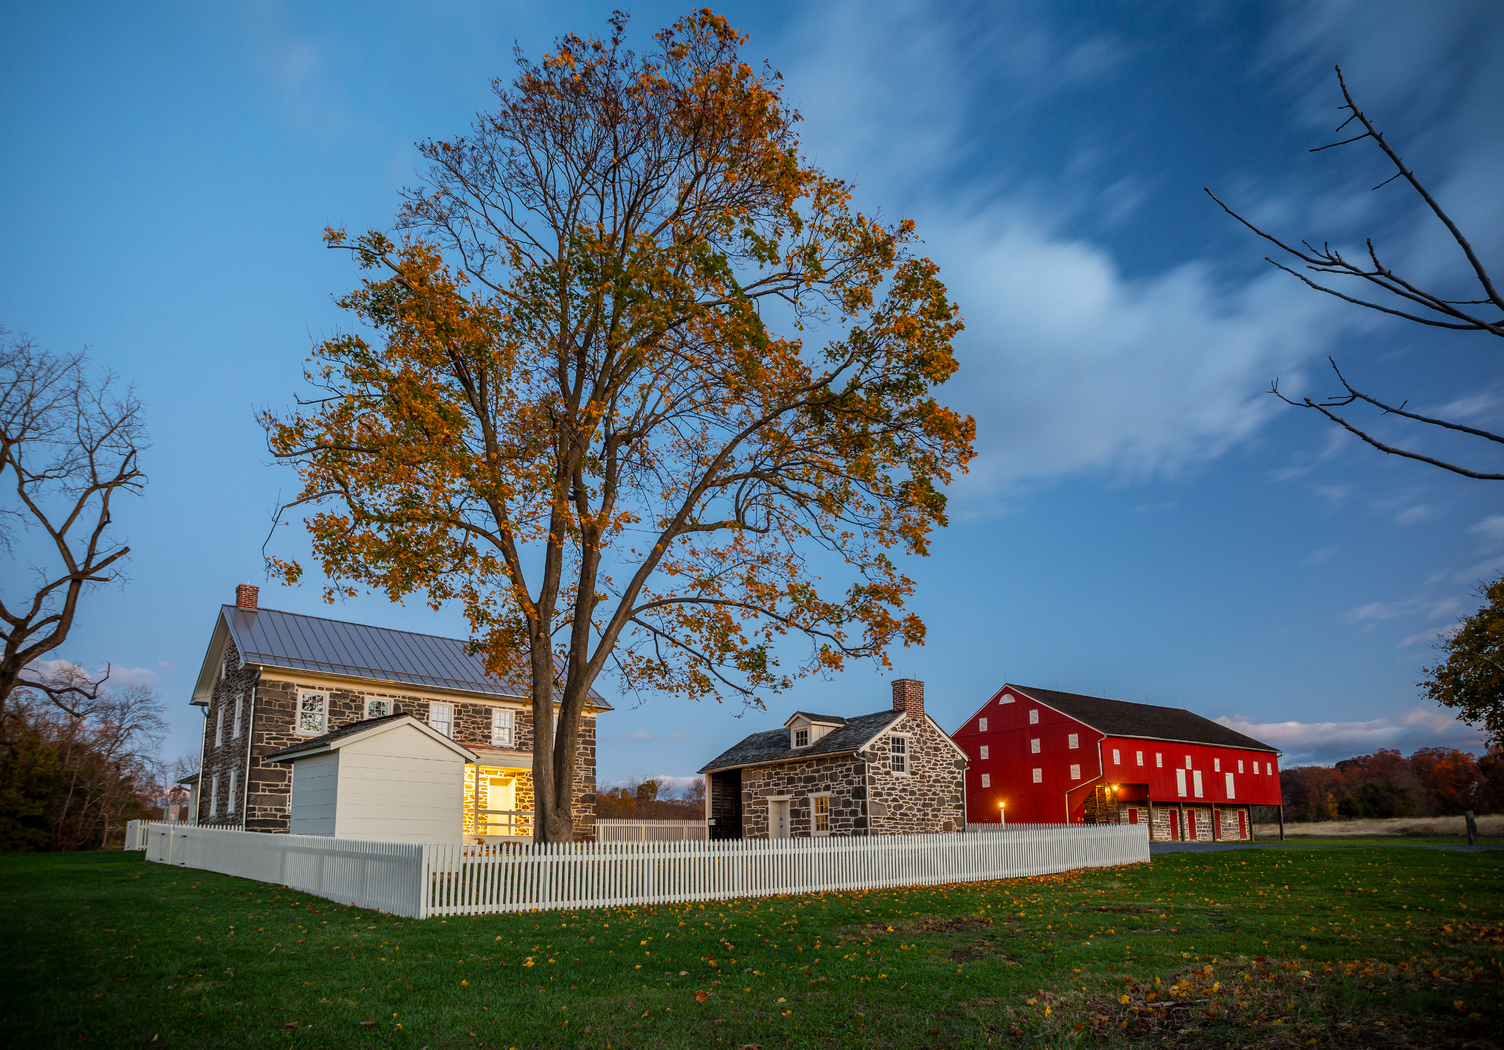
(68, 445)
(1397, 296)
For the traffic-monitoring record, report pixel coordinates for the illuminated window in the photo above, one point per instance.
(821, 811)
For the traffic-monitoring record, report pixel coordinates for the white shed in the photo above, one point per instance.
(390, 779)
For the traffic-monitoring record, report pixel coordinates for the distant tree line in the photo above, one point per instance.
(1433, 782)
(648, 800)
(69, 780)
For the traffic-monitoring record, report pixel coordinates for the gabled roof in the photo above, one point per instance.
(773, 745)
(828, 720)
(1123, 718)
(272, 638)
(359, 730)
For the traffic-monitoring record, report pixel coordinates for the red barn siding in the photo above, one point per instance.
(1058, 797)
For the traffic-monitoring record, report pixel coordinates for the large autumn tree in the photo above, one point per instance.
(645, 391)
(1469, 677)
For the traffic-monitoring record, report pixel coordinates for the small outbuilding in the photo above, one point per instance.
(392, 779)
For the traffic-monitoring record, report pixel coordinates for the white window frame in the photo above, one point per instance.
(1034, 745)
(1073, 741)
(1007, 699)
(235, 725)
(219, 728)
(1075, 772)
(986, 780)
(1159, 760)
(214, 796)
(443, 725)
(322, 714)
(383, 706)
(1116, 759)
(1180, 783)
(1230, 793)
(1140, 758)
(1033, 716)
(1038, 775)
(1240, 765)
(981, 725)
(899, 754)
(815, 815)
(801, 737)
(503, 727)
(1188, 762)
(1216, 765)
(985, 751)
(230, 795)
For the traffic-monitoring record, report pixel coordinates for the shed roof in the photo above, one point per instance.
(1124, 718)
(773, 745)
(272, 638)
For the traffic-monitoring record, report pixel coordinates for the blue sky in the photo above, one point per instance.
(1143, 522)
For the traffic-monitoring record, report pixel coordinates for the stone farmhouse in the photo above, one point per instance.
(891, 772)
(275, 682)
(1047, 757)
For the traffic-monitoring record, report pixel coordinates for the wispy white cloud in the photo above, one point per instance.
(1322, 743)
(1319, 557)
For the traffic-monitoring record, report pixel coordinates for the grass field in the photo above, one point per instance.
(1244, 947)
(1490, 828)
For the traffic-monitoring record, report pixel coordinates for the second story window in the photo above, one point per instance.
(313, 713)
(801, 738)
(899, 759)
(981, 725)
(378, 708)
(1073, 741)
(441, 718)
(503, 727)
(219, 728)
(985, 751)
(235, 725)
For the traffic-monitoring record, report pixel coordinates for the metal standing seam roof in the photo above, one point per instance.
(773, 745)
(1125, 718)
(314, 643)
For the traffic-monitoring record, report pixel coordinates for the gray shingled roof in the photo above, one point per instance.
(773, 745)
(274, 638)
(1123, 718)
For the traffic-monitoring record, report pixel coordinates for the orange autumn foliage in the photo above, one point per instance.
(646, 391)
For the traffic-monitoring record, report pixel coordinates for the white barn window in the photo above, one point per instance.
(313, 713)
(503, 727)
(1075, 772)
(1116, 760)
(1216, 765)
(898, 760)
(441, 718)
(1033, 716)
(1188, 761)
(1140, 758)
(1038, 775)
(1073, 741)
(984, 751)
(1034, 745)
(1240, 765)
(1007, 698)
(1159, 759)
(981, 725)
(986, 780)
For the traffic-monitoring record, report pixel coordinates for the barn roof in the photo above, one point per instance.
(1123, 718)
(272, 638)
(773, 745)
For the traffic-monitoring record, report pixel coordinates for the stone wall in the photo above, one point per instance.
(229, 755)
(267, 789)
(931, 797)
(839, 776)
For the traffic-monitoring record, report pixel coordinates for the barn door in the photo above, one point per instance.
(1242, 823)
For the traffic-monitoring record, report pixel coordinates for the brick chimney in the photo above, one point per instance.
(908, 696)
(245, 598)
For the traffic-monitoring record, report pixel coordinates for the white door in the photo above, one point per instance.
(778, 819)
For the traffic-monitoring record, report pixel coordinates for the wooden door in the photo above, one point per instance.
(1242, 823)
(778, 819)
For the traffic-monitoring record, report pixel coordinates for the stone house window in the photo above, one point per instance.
(441, 718)
(801, 738)
(1038, 775)
(1075, 772)
(235, 726)
(213, 796)
(981, 725)
(503, 727)
(898, 758)
(313, 713)
(219, 728)
(230, 798)
(819, 809)
(1034, 746)
(1033, 716)
(986, 780)
(984, 751)
(378, 708)
(1073, 741)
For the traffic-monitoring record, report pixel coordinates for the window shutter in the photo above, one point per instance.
(1196, 781)
(1180, 782)
(219, 728)
(230, 798)
(1229, 787)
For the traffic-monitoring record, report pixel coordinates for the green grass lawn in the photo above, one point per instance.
(1268, 947)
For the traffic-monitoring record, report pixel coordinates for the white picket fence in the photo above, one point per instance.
(631, 830)
(423, 880)
(135, 831)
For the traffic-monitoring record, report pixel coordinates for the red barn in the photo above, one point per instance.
(1040, 756)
